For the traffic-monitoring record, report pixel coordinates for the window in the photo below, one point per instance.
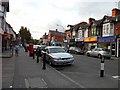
(80, 33)
(93, 31)
(107, 29)
(111, 29)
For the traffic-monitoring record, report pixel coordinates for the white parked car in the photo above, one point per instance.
(99, 52)
(57, 55)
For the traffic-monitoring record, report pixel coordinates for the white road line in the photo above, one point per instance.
(27, 83)
(45, 83)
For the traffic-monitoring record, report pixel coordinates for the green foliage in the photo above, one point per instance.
(25, 34)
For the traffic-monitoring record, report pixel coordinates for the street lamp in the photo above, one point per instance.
(61, 26)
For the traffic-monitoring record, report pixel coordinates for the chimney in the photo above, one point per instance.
(91, 20)
(115, 12)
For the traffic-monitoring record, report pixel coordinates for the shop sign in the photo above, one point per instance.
(66, 41)
(6, 36)
(90, 39)
(107, 39)
(79, 39)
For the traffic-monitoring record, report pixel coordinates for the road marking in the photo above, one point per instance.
(27, 83)
(36, 82)
(116, 77)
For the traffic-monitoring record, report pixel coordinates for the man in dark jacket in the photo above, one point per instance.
(38, 53)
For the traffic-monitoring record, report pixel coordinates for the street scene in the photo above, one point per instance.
(23, 72)
(59, 44)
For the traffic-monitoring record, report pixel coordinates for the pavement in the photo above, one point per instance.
(48, 78)
(6, 54)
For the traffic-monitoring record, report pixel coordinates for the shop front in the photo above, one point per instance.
(90, 43)
(108, 42)
(118, 46)
(5, 41)
(72, 42)
(1, 33)
(79, 41)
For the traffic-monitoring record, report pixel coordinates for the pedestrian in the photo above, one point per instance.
(11, 46)
(16, 50)
(38, 53)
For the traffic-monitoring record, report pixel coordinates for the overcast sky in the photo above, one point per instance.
(41, 15)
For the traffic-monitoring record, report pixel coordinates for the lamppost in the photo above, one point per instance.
(63, 30)
(61, 26)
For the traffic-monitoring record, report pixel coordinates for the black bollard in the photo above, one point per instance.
(44, 60)
(102, 66)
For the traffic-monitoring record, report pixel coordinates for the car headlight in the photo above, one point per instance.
(56, 58)
(71, 58)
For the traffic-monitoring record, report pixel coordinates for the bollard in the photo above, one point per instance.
(102, 66)
(44, 60)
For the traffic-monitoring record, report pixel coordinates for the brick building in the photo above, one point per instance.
(55, 37)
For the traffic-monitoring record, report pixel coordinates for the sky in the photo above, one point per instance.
(40, 16)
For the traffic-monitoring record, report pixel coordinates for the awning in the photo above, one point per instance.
(1, 31)
(107, 39)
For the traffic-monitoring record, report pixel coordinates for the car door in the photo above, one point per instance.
(94, 52)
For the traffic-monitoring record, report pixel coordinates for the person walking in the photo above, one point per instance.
(16, 50)
(38, 53)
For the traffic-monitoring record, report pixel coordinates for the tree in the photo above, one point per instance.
(25, 34)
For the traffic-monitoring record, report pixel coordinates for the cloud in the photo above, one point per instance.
(41, 15)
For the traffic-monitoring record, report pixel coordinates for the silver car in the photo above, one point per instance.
(99, 52)
(56, 55)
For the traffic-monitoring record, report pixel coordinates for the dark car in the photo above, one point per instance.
(76, 50)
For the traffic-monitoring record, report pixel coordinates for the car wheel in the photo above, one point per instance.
(99, 56)
(108, 57)
(88, 54)
(75, 52)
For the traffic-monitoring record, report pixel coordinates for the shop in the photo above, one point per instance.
(79, 42)
(71, 43)
(1, 32)
(108, 42)
(90, 43)
(5, 41)
(118, 46)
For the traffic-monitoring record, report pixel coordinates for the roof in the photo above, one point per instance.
(81, 24)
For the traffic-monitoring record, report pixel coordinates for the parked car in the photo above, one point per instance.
(76, 50)
(99, 52)
(56, 55)
(35, 47)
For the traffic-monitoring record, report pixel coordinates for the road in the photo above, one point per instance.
(86, 71)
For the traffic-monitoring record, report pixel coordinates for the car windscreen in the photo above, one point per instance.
(56, 50)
